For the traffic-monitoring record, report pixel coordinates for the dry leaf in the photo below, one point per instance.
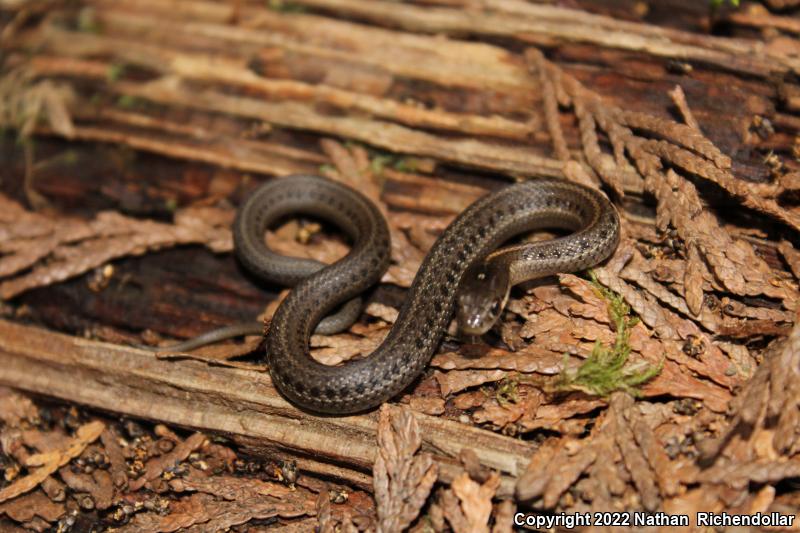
(476, 502)
(14, 408)
(23, 508)
(156, 466)
(49, 462)
(403, 477)
(46, 250)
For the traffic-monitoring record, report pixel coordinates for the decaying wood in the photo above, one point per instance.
(470, 67)
(546, 25)
(239, 403)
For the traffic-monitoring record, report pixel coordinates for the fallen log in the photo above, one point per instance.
(237, 402)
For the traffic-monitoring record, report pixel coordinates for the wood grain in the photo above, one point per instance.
(238, 403)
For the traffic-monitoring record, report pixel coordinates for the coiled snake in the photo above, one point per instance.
(464, 256)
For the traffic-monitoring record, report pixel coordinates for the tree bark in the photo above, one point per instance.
(239, 403)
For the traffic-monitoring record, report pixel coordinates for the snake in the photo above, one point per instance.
(466, 273)
(465, 268)
(266, 206)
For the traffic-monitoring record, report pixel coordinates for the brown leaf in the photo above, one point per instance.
(156, 466)
(554, 415)
(632, 454)
(45, 441)
(792, 257)
(693, 282)
(734, 262)
(499, 415)
(675, 381)
(384, 312)
(49, 462)
(201, 513)
(291, 239)
(403, 478)
(60, 249)
(504, 517)
(604, 476)
(769, 401)
(527, 360)
(458, 380)
(670, 329)
(550, 102)
(546, 321)
(739, 475)
(428, 405)
(98, 485)
(116, 458)
(553, 468)
(228, 487)
(24, 508)
(592, 304)
(14, 408)
(451, 509)
(54, 489)
(323, 507)
(679, 98)
(334, 349)
(725, 179)
(560, 480)
(476, 501)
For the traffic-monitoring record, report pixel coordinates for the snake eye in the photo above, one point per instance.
(495, 307)
(481, 276)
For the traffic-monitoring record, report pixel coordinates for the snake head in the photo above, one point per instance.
(482, 295)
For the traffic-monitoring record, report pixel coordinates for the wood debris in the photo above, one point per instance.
(191, 482)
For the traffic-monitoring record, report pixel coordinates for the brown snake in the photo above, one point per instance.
(464, 255)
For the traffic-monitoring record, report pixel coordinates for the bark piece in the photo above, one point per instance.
(403, 477)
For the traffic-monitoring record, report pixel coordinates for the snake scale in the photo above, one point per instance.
(465, 255)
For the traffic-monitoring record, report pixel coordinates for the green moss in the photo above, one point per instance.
(70, 157)
(25, 142)
(126, 101)
(382, 160)
(403, 164)
(171, 204)
(507, 391)
(87, 21)
(284, 6)
(606, 369)
(378, 162)
(115, 71)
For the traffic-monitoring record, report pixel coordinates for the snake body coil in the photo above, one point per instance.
(471, 238)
